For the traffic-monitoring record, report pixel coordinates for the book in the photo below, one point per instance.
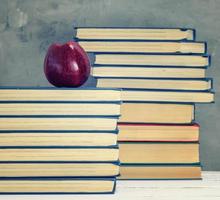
(59, 154)
(52, 94)
(58, 138)
(143, 47)
(140, 112)
(158, 132)
(60, 109)
(102, 71)
(159, 172)
(155, 83)
(36, 170)
(57, 186)
(158, 153)
(167, 96)
(152, 59)
(134, 33)
(57, 123)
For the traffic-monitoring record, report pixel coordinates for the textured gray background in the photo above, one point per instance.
(27, 27)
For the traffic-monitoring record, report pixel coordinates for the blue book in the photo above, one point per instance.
(134, 33)
(59, 170)
(58, 95)
(151, 47)
(57, 123)
(167, 96)
(55, 138)
(57, 186)
(152, 60)
(57, 109)
(138, 71)
(59, 154)
(204, 84)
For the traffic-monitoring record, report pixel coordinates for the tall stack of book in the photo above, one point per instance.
(162, 75)
(59, 141)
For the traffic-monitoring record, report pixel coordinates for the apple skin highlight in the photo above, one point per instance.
(66, 65)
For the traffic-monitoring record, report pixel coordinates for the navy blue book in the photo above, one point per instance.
(156, 83)
(152, 60)
(134, 33)
(58, 170)
(57, 109)
(162, 47)
(57, 186)
(166, 96)
(138, 71)
(57, 123)
(52, 94)
(61, 154)
(55, 138)
(174, 96)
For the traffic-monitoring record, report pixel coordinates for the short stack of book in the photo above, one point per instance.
(59, 141)
(162, 76)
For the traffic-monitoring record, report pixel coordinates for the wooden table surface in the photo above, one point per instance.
(206, 189)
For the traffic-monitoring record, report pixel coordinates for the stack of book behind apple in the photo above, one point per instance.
(59, 141)
(162, 75)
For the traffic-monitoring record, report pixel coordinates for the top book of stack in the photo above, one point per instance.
(168, 34)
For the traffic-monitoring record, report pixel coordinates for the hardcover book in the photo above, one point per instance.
(144, 47)
(59, 154)
(49, 94)
(65, 170)
(173, 113)
(42, 123)
(94, 109)
(158, 153)
(58, 138)
(126, 71)
(134, 33)
(152, 59)
(156, 83)
(159, 172)
(167, 96)
(158, 132)
(57, 186)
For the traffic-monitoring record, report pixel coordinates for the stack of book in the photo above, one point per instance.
(59, 141)
(162, 75)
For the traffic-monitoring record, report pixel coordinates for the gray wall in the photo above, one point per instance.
(28, 27)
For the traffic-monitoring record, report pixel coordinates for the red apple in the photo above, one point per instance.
(66, 65)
